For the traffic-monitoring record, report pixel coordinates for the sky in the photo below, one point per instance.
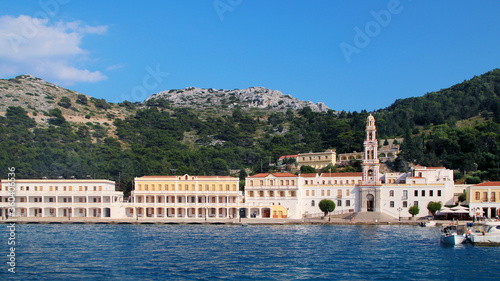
(351, 55)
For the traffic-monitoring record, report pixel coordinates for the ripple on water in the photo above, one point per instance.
(214, 252)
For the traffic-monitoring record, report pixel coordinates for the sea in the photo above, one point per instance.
(235, 252)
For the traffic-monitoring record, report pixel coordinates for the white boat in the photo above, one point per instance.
(490, 236)
(453, 234)
(429, 223)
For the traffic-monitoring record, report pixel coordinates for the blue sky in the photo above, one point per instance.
(351, 55)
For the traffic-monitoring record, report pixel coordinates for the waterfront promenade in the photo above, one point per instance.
(215, 221)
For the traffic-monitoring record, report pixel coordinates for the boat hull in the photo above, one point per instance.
(452, 239)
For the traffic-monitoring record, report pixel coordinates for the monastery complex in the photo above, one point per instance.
(266, 195)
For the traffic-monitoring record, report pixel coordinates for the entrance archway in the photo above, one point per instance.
(370, 203)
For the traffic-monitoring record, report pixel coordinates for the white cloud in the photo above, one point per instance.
(116, 66)
(33, 46)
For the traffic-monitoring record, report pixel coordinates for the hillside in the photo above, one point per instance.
(77, 135)
(39, 98)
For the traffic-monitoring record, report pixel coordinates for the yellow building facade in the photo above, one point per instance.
(484, 199)
(185, 197)
(317, 160)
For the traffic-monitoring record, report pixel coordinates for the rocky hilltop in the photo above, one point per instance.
(39, 97)
(253, 97)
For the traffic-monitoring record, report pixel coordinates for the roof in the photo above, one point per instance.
(429, 168)
(489, 183)
(278, 175)
(289, 156)
(308, 175)
(333, 175)
(351, 174)
(182, 177)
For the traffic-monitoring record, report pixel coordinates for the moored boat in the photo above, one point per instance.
(491, 236)
(453, 234)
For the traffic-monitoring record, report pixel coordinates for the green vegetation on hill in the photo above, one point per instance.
(159, 139)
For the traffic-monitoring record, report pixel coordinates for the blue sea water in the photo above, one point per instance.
(229, 252)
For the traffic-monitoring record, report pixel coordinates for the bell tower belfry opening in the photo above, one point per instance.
(369, 188)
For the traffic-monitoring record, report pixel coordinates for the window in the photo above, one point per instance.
(312, 203)
(312, 192)
(306, 181)
(391, 193)
(261, 193)
(282, 194)
(347, 191)
(307, 192)
(423, 193)
(348, 203)
(322, 193)
(405, 194)
(415, 203)
(328, 193)
(485, 196)
(416, 193)
(339, 203)
(36, 188)
(339, 193)
(292, 193)
(492, 196)
(271, 193)
(250, 194)
(391, 204)
(439, 192)
(431, 192)
(405, 204)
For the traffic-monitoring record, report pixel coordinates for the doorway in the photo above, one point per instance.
(370, 203)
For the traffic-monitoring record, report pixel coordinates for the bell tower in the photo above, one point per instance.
(370, 166)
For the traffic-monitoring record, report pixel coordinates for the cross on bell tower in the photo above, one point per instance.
(370, 165)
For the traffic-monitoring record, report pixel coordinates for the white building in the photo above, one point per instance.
(61, 198)
(272, 195)
(369, 191)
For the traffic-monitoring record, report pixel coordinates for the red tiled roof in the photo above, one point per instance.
(489, 183)
(351, 174)
(289, 156)
(308, 175)
(429, 168)
(278, 175)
